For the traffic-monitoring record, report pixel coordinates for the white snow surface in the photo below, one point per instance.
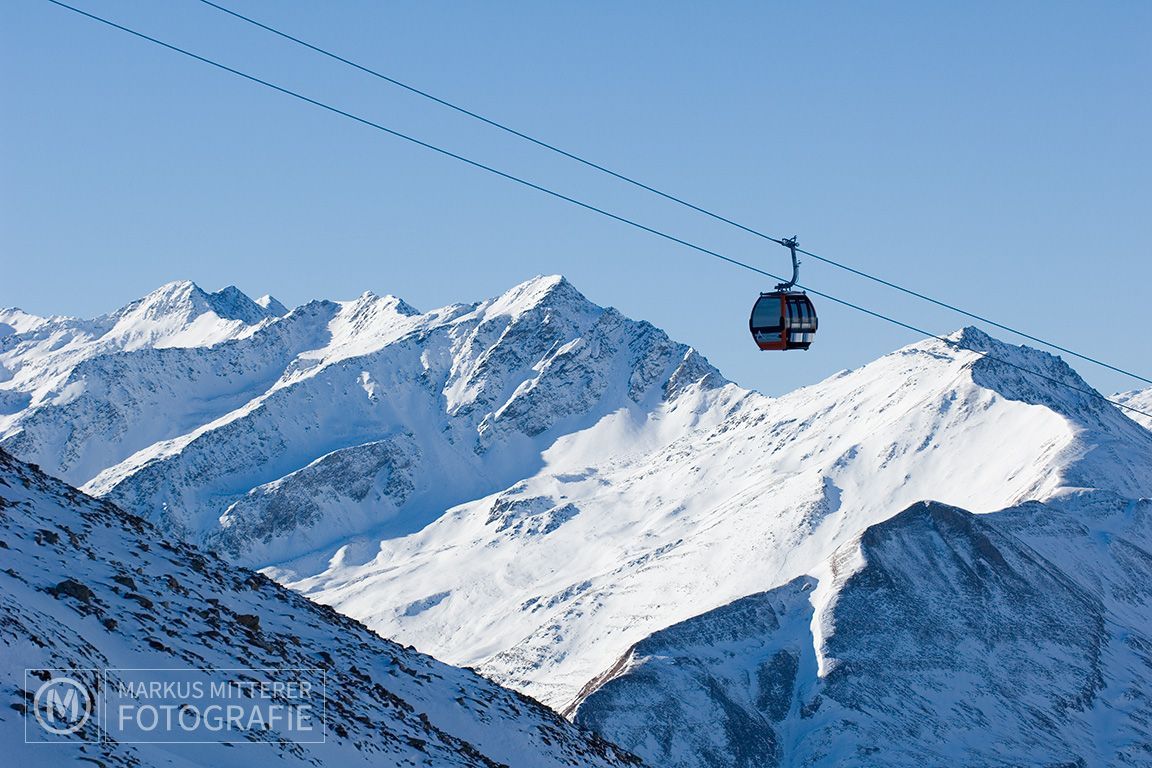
(1141, 400)
(637, 524)
(87, 586)
(80, 369)
(16, 320)
(222, 442)
(533, 484)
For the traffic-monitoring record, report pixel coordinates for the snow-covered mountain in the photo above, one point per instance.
(1140, 399)
(238, 442)
(88, 586)
(637, 524)
(537, 486)
(1020, 637)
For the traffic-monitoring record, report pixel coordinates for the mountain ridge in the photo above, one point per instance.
(532, 485)
(492, 370)
(961, 637)
(89, 586)
(838, 456)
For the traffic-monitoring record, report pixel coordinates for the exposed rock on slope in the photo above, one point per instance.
(1015, 638)
(229, 442)
(88, 586)
(723, 494)
(534, 484)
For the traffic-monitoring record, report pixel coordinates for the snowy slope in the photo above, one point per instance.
(637, 524)
(1141, 400)
(86, 585)
(16, 320)
(78, 367)
(534, 483)
(88, 409)
(428, 410)
(1021, 637)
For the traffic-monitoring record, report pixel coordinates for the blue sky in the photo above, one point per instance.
(995, 155)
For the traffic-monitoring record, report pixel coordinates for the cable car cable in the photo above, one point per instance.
(588, 206)
(977, 317)
(489, 121)
(666, 195)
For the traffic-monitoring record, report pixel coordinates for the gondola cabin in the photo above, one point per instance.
(783, 320)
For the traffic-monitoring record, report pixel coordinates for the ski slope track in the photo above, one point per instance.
(89, 586)
(537, 486)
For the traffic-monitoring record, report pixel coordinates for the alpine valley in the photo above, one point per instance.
(938, 558)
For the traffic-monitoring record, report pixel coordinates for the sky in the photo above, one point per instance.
(992, 155)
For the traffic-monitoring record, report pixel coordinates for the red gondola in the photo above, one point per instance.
(784, 319)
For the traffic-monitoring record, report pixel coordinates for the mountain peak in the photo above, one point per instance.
(174, 290)
(181, 313)
(371, 303)
(966, 339)
(189, 299)
(272, 305)
(233, 304)
(1016, 372)
(569, 429)
(15, 320)
(1027, 374)
(550, 290)
(971, 337)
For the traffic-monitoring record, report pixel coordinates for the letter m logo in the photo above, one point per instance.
(66, 708)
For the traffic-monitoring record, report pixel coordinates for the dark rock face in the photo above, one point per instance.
(714, 690)
(1014, 638)
(954, 627)
(72, 588)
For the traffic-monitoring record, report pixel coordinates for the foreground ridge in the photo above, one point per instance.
(88, 586)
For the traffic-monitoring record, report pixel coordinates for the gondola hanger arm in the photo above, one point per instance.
(791, 243)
